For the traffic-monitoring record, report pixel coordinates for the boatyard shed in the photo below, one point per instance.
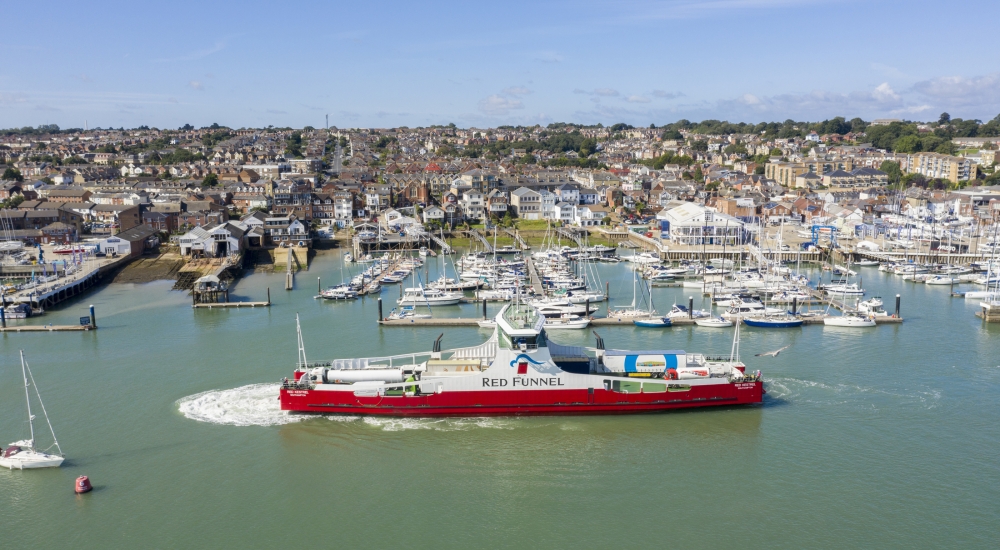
(132, 242)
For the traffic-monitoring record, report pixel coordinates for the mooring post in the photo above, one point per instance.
(897, 305)
(380, 310)
(607, 285)
(586, 309)
(484, 308)
(93, 318)
(268, 295)
(795, 305)
(3, 318)
(690, 307)
(319, 285)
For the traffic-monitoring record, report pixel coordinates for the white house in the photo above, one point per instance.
(693, 224)
(527, 203)
(433, 214)
(586, 215)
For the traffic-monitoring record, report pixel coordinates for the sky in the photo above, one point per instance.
(387, 63)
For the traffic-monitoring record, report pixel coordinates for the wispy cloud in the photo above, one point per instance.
(689, 9)
(637, 99)
(196, 85)
(663, 94)
(603, 92)
(516, 90)
(193, 56)
(961, 91)
(498, 105)
(548, 56)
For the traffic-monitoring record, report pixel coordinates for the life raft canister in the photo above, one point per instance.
(671, 374)
(82, 485)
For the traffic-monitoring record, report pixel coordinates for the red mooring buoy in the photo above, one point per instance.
(83, 485)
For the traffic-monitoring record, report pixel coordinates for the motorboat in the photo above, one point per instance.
(339, 292)
(422, 251)
(656, 322)
(682, 312)
(849, 289)
(419, 296)
(566, 321)
(24, 455)
(850, 319)
(406, 312)
(445, 283)
(942, 280)
(714, 322)
(873, 307)
(866, 263)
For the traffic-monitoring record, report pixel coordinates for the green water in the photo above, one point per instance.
(886, 437)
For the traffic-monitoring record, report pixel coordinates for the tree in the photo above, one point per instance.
(672, 134)
(698, 175)
(907, 144)
(210, 180)
(12, 174)
(945, 118)
(700, 146)
(892, 168)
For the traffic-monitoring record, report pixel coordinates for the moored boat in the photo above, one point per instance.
(656, 322)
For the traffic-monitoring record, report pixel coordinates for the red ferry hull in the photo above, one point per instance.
(520, 402)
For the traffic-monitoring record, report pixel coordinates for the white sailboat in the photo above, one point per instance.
(23, 454)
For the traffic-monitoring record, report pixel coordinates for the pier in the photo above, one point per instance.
(536, 282)
(475, 235)
(517, 239)
(596, 322)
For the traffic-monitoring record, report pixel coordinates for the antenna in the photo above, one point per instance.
(302, 345)
(734, 354)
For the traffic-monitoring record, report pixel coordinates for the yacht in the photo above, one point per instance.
(566, 321)
(339, 292)
(23, 454)
(419, 296)
(714, 322)
(850, 319)
(872, 307)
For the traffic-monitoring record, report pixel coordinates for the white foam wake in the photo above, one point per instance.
(253, 405)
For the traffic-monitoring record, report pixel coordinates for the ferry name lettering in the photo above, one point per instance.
(524, 382)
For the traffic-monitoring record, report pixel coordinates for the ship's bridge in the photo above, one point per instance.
(520, 326)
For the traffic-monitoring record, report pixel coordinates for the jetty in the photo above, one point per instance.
(517, 239)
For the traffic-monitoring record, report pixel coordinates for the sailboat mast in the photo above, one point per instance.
(42, 404)
(27, 398)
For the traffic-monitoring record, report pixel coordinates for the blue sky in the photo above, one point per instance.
(487, 63)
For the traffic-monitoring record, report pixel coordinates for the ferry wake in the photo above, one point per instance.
(519, 371)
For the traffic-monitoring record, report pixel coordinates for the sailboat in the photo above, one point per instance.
(23, 454)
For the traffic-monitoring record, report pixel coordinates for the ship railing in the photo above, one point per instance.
(486, 350)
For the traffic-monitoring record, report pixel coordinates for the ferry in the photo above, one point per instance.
(519, 371)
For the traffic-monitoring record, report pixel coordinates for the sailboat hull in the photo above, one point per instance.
(31, 460)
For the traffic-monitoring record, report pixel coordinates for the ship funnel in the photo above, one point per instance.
(436, 350)
(600, 341)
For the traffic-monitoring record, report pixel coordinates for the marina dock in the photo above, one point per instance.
(597, 322)
(49, 328)
(230, 305)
